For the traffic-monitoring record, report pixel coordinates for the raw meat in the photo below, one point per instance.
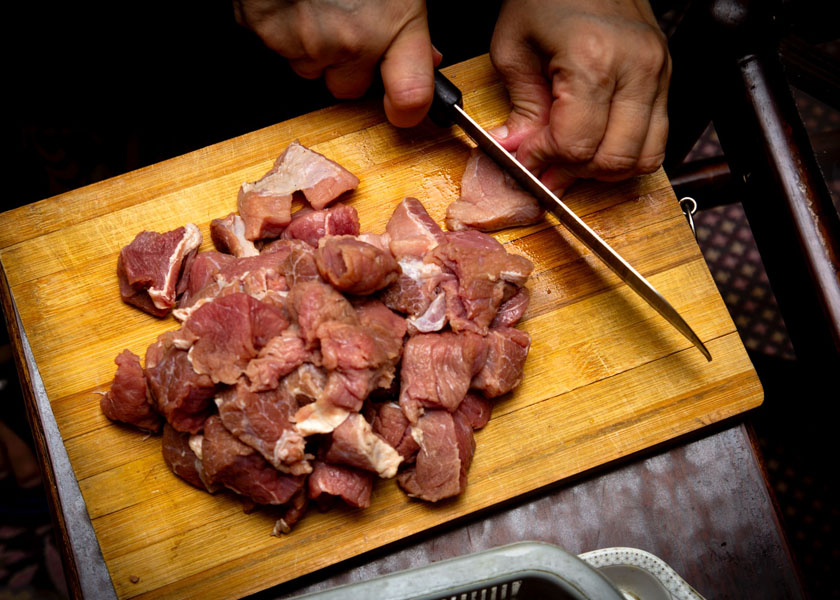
(437, 369)
(476, 410)
(182, 396)
(228, 235)
(355, 444)
(150, 266)
(512, 309)
(266, 204)
(300, 264)
(351, 485)
(355, 267)
(507, 349)
(238, 467)
(224, 335)
(446, 451)
(313, 303)
(311, 225)
(127, 401)
(263, 421)
(279, 357)
(412, 231)
(180, 458)
(393, 426)
(490, 199)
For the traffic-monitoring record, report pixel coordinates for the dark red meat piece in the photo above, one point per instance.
(179, 456)
(238, 467)
(351, 485)
(127, 400)
(507, 349)
(392, 425)
(353, 266)
(310, 225)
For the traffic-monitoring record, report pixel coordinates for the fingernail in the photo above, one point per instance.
(500, 132)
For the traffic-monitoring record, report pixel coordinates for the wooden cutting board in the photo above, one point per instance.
(606, 375)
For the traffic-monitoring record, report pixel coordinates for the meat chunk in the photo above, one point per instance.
(306, 383)
(182, 396)
(490, 199)
(312, 303)
(412, 231)
(512, 309)
(227, 333)
(263, 420)
(266, 204)
(417, 293)
(202, 270)
(507, 349)
(238, 467)
(228, 236)
(181, 459)
(446, 451)
(391, 424)
(354, 266)
(127, 401)
(279, 357)
(311, 225)
(351, 485)
(437, 369)
(484, 270)
(321, 416)
(476, 410)
(354, 443)
(150, 266)
(300, 265)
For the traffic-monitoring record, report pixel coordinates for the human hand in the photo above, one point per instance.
(344, 41)
(588, 81)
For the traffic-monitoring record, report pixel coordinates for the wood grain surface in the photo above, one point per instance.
(606, 376)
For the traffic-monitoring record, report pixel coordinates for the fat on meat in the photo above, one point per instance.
(310, 225)
(351, 485)
(228, 236)
(182, 396)
(240, 468)
(490, 199)
(202, 270)
(412, 231)
(353, 266)
(127, 400)
(224, 335)
(265, 205)
(507, 349)
(437, 369)
(263, 421)
(150, 267)
(306, 383)
(446, 451)
(354, 443)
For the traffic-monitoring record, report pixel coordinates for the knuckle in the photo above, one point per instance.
(611, 163)
(649, 164)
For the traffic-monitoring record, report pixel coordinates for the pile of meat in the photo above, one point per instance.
(312, 358)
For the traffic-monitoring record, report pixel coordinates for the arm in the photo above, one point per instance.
(345, 40)
(588, 80)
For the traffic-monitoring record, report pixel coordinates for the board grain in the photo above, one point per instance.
(606, 376)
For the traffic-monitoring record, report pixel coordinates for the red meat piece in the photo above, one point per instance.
(355, 444)
(353, 266)
(127, 401)
(228, 236)
(507, 349)
(351, 485)
(310, 225)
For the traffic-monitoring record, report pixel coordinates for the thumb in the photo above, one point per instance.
(408, 74)
(530, 95)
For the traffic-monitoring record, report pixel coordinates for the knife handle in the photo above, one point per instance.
(447, 95)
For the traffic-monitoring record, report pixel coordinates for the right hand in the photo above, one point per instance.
(345, 40)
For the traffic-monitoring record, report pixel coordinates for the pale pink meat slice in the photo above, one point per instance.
(310, 225)
(411, 230)
(490, 199)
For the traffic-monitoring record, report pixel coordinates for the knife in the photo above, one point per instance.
(447, 108)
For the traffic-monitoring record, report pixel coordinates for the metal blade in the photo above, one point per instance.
(573, 223)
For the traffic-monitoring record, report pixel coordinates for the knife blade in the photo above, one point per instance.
(447, 109)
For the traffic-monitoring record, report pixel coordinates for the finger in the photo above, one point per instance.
(408, 75)
(349, 80)
(557, 179)
(521, 72)
(653, 151)
(308, 68)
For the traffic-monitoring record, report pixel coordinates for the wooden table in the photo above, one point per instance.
(606, 380)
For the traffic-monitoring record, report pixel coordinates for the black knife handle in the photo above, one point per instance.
(447, 95)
